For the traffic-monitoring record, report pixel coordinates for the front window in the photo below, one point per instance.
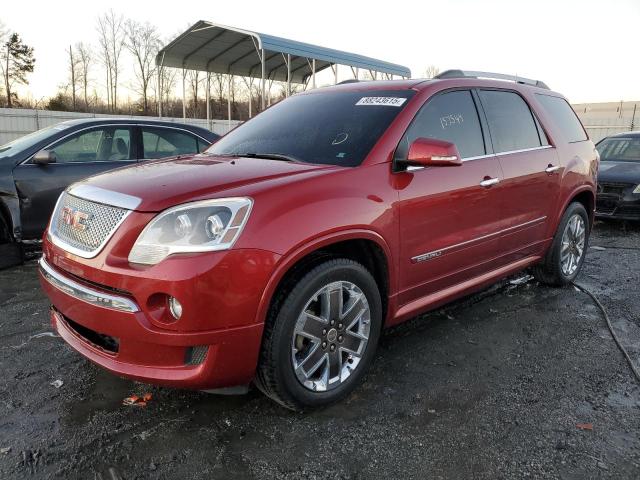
(335, 128)
(107, 144)
(619, 149)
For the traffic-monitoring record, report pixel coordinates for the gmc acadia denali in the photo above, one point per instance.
(279, 254)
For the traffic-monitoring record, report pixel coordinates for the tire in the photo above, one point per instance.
(552, 270)
(10, 252)
(302, 311)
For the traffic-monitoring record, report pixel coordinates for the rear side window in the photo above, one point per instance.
(451, 117)
(511, 122)
(165, 142)
(565, 117)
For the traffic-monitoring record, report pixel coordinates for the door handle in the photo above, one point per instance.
(487, 182)
(552, 168)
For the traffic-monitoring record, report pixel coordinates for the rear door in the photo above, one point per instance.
(449, 222)
(78, 155)
(530, 167)
(161, 142)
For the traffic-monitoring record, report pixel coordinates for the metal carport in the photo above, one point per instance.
(214, 48)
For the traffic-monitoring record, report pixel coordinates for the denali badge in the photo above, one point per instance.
(426, 256)
(75, 218)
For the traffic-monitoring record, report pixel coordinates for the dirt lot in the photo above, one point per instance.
(491, 387)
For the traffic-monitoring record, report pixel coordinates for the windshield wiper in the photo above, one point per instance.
(270, 156)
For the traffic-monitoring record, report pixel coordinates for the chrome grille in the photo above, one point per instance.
(99, 223)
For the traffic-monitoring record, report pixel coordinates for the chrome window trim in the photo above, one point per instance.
(26, 162)
(436, 253)
(85, 294)
(57, 241)
(542, 147)
(490, 155)
(104, 196)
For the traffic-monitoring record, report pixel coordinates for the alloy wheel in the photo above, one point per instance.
(573, 243)
(330, 336)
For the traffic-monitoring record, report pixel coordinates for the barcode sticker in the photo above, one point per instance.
(387, 101)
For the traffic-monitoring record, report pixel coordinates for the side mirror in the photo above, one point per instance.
(44, 157)
(429, 152)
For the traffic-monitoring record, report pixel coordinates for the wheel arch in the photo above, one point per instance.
(363, 246)
(7, 219)
(586, 197)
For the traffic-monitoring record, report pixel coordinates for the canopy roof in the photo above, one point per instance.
(220, 49)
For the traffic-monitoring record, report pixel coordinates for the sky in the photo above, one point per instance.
(585, 49)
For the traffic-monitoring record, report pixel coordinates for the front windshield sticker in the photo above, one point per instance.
(386, 101)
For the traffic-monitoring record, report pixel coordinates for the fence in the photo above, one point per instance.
(603, 127)
(16, 122)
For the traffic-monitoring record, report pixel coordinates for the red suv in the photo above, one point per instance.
(279, 254)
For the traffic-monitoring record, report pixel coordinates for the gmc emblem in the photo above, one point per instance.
(75, 218)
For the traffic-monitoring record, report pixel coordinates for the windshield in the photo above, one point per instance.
(22, 143)
(620, 149)
(335, 128)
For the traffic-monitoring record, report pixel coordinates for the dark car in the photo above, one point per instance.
(36, 168)
(619, 177)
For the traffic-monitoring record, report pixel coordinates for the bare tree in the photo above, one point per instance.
(195, 79)
(111, 39)
(74, 74)
(85, 60)
(431, 71)
(3, 38)
(166, 84)
(143, 41)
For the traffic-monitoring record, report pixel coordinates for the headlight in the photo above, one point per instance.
(637, 189)
(193, 227)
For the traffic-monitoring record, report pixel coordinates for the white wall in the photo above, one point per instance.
(604, 119)
(15, 122)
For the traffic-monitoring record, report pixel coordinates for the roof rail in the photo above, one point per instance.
(350, 80)
(496, 76)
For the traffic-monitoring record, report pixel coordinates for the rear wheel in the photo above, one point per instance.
(564, 259)
(321, 336)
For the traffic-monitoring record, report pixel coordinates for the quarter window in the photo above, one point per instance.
(450, 116)
(511, 122)
(98, 145)
(566, 118)
(166, 142)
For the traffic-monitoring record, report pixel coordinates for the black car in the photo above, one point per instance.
(619, 177)
(34, 169)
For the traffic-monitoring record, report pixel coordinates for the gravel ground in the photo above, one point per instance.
(494, 386)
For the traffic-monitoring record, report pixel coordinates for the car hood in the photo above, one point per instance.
(166, 183)
(627, 172)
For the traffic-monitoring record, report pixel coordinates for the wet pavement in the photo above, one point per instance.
(520, 381)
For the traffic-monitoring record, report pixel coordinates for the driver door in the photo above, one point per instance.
(450, 216)
(79, 155)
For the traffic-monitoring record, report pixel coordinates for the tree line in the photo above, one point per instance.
(123, 56)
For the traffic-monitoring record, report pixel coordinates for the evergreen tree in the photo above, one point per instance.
(16, 60)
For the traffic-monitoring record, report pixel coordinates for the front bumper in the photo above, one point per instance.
(617, 200)
(112, 315)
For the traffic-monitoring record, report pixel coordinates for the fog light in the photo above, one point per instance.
(175, 307)
(195, 355)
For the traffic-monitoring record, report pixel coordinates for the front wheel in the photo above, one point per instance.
(565, 257)
(320, 336)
